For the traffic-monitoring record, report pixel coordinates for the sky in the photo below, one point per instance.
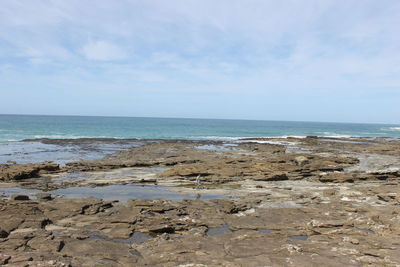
(298, 60)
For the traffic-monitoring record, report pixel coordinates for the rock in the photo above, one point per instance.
(273, 177)
(259, 228)
(351, 240)
(118, 230)
(20, 197)
(375, 216)
(387, 197)
(350, 209)
(44, 196)
(4, 259)
(301, 160)
(20, 258)
(335, 177)
(94, 208)
(159, 229)
(293, 248)
(328, 224)
(329, 192)
(95, 250)
(11, 220)
(3, 233)
(46, 244)
(24, 171)
(44, 222)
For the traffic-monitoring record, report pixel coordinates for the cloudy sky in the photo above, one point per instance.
(307, 60)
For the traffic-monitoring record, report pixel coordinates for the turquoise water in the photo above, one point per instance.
(20, 127)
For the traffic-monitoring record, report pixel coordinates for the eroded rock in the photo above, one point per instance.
(23, 171)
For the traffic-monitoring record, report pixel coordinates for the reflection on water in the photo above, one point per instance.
(222, 147)
(365, 230)
(137, 238)
(113, 192)
(265, 231)
(36, 152)
(134, 172)
(299, 237)
(219, 230)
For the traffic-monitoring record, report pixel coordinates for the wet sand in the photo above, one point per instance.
(255, 202)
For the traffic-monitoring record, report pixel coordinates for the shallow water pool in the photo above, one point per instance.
(113, 192)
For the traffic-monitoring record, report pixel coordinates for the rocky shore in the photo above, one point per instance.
(282, 202)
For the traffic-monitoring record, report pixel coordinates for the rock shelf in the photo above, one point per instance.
(334, 204)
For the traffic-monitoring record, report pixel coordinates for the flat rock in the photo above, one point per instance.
(20, 197)
(23, 171)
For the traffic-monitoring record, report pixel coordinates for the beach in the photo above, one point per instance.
(292, 201)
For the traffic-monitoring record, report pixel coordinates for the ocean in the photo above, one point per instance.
(14, 129)
(20, 127)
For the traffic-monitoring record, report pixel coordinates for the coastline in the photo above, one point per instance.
(277, 201)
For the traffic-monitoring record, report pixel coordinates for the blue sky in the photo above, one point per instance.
(307, 60)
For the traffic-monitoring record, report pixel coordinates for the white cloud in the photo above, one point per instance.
(225, 45)
(102, 50)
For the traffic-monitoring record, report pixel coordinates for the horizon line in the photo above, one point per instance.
(191, 118)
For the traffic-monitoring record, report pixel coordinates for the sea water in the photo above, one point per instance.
(16, 128)
(20, 127)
